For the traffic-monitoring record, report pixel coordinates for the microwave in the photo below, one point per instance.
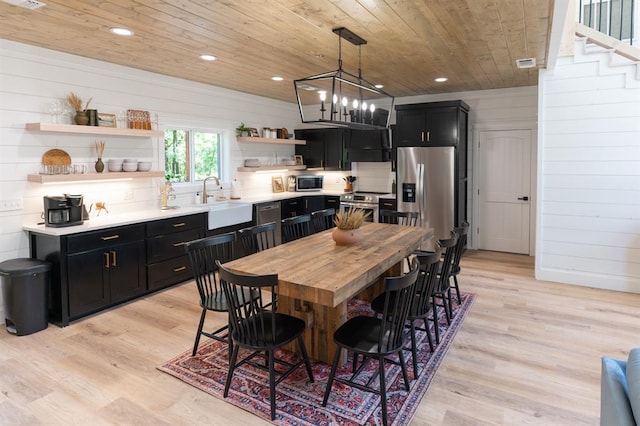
(308, 183)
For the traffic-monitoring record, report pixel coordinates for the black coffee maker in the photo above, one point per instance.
(62, 211)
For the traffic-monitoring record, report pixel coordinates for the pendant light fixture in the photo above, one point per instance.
(339, 98)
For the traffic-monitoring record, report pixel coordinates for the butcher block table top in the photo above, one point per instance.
(316, 270)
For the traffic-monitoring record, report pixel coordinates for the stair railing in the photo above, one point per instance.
(616, 18)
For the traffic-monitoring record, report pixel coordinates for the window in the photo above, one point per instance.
(191, 155)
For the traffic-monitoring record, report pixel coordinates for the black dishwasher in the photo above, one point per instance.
(270, 212)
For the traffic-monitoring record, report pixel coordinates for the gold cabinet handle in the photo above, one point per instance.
(110, 237)
(421, 136)
(179, 269)
(178, 225)
(114, 260)
(179, 244)
(106, 260)
(321, 163)
(428, 136)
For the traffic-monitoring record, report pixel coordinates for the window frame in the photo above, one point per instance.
(223, 152)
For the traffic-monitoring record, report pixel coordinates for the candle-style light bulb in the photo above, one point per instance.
(345, 101)
(335, 99)
(372, 108)
(355, 104)
(323, 97)
(364, 105)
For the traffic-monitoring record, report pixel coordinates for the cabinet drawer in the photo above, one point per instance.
(169, 272)
(176, 224)
(387, 204)
(104, 238)
(171, 245)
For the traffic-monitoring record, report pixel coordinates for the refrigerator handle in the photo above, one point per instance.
(420, 189)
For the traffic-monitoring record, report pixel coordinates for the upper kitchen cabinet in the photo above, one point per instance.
(325, 148)
(431, 124)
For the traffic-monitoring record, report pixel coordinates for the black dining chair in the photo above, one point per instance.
(377, 338)
(258, 238)
(296, 227)
(441, 289)
(421, 303)
(203, 254)
(462, 232)
(262, 330)
(399, 218)
(323, 219)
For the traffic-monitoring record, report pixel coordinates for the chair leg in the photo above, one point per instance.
(272, 385)
(426, 329)
(305, 357)
(354, 363)
(232, 366)
(403, 365)
(383, 389)
(436, 321)
(199, 333)
(334, 367)
(414, 351)
(445, 305)
(455, 280)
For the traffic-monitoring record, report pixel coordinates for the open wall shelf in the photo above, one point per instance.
(92, 130)
(92, 176)
(272, 141)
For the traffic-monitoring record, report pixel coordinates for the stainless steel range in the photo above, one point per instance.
(367, 201)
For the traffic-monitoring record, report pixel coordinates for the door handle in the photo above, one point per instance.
(525, 198)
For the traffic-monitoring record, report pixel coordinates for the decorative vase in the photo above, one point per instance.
(81, 118)
(99, 165)
(346, 237)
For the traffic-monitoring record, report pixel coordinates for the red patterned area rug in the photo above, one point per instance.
(299, 402)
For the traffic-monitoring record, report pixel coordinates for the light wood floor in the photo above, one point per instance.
(528, 353)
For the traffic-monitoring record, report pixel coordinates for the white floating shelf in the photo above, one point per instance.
(270, 168)
(92, 130)
(93, 176)
(272, 140)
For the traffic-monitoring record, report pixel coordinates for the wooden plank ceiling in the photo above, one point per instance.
(474, 43)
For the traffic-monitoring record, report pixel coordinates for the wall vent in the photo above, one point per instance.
(526, 63)
(27, 4)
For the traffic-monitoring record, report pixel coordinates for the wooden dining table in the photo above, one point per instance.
(316, 277)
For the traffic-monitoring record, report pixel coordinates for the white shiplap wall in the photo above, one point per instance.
(31, 78)
(589, 176)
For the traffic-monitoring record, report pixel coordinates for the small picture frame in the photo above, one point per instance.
(277, 184)
(253, 132)
(291, 184)
(107, 120)
(299, 160)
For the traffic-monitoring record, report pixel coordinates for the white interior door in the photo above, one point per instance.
(505, 190)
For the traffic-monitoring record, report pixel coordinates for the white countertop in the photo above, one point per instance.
(139, 216)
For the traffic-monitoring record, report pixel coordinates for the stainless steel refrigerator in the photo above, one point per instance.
(425, 179)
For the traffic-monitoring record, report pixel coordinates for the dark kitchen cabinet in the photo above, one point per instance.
(332, 202)
(325, 148)
(291, 207)
(312, 203)
(105, 276)
(431, 124)
(91, 270)
(167, 261)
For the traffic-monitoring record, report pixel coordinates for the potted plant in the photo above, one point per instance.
(81, 117)
(348, 223)
(242, 130)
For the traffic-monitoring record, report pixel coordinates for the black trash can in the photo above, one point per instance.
(25, 292)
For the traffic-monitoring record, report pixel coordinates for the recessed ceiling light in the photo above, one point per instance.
(441, 79)
(121, 31)
(379, 86)
(277, 78)
(207, 57)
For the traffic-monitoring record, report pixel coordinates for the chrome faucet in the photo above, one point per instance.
(204, 187)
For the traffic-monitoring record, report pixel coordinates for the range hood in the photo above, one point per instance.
(369, 145)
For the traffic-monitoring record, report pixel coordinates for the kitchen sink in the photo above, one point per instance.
(227, 213)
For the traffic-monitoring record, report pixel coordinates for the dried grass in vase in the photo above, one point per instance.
(353, 218)
(99, 148)
(76, 102)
